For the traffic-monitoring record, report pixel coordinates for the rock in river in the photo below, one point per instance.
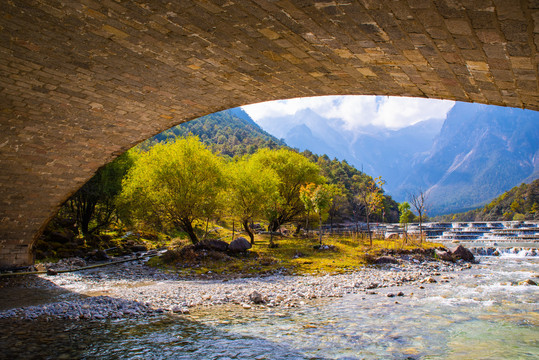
(256, 298)
(528, 282)
(462, 253)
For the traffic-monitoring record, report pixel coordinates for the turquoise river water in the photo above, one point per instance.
(480, 314)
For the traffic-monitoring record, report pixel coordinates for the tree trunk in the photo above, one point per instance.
(86, 216)
(273, 225)
(307, 223)
(320, 229)
(369, 228)
(188, 228)
(420, 229)
(233, 229)
(405, 234)
(248, 231)
(206, 232)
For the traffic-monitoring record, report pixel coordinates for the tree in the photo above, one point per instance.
(94, 203)
(318, 198)
(406, 217)
(174, 184)
(370, 196)
(306, 199)
(418, 201)
(251, 188)
(294, 170)
(338, 204)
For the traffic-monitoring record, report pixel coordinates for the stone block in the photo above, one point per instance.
(458, 26)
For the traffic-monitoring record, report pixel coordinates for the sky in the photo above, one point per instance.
(357, 112)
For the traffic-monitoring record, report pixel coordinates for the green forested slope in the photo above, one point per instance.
(229, 133)
(519, 203)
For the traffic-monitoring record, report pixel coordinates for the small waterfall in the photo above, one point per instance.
(491, 233)
(505, 252)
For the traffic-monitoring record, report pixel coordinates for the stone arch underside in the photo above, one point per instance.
(81, 82)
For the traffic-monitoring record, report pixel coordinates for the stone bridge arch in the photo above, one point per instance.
(83, 81)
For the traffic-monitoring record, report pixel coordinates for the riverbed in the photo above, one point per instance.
(469, 313)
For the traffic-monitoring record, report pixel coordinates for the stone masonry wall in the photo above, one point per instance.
(83, 81)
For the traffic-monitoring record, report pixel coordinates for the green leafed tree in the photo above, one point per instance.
(370, 196)
(406, 217)
(293, 170)
(173, 185)
(318, 198)
(251, 191)
(93, 205)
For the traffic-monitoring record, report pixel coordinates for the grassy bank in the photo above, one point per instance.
(292, 256)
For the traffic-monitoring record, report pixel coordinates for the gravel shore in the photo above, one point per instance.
(133, 289)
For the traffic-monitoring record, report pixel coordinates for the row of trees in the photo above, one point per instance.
(174, 185)
(179, 184)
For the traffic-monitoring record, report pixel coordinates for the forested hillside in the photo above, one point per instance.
(519, 203)
(229, 133)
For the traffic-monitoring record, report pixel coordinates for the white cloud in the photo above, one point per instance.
(356, 112)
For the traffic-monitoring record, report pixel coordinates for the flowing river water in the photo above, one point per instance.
(480, 314)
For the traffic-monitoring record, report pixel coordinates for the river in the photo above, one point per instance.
(481, 313)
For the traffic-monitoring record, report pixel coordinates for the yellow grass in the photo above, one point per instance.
(292, 256)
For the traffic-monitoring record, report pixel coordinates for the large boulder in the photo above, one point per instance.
(213, 245)
(239, 245)
(443, 254)
(462, 253)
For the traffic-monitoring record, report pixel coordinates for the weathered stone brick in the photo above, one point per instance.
(495, 51)
(490, 36)
(518, 49)
(458, 26)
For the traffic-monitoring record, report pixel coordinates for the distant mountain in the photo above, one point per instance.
(307, 130)
(374, 151)
(481, 152)
(390, 153)
(478, 152)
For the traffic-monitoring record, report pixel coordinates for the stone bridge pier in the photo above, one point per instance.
(83, 81)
